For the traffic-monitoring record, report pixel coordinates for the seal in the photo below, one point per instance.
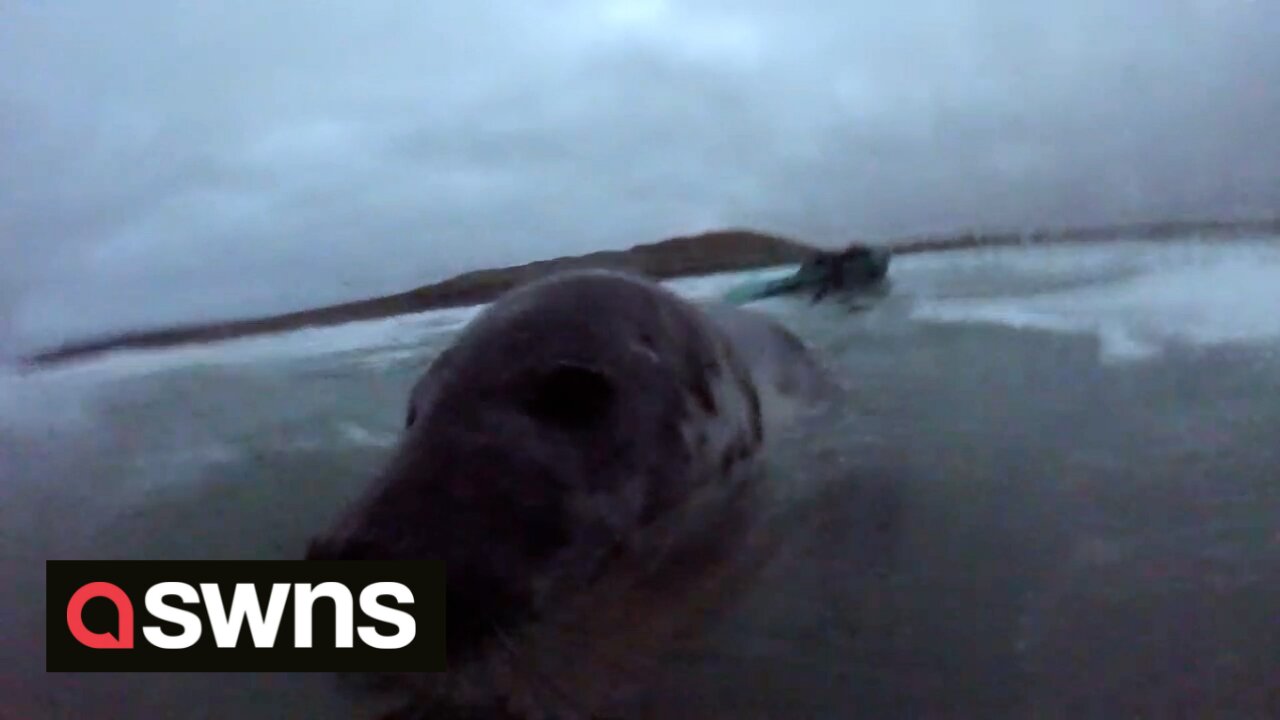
(586, 459)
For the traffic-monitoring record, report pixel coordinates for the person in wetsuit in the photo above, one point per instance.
(856, 266)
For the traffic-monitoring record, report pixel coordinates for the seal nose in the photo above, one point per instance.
(571, 396)
(476, 604)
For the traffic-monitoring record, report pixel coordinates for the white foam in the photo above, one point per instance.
(386, 358)
(30, 398)
(360, 435)
(708, 287)
(1215, 297)
(191, 458)
(365, 335)
(304, 342)
(61, 389)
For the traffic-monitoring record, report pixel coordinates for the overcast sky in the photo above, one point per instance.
(164, 161)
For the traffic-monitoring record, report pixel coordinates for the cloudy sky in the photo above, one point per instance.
(164, 161)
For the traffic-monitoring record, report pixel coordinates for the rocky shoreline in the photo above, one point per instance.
(707, 253)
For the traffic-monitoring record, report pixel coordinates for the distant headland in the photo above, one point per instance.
(703, 254)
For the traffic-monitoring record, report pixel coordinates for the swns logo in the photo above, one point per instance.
(231, 616)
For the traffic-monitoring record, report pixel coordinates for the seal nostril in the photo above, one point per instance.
(571, 396)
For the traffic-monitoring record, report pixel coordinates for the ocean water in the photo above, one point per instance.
(1053, 492)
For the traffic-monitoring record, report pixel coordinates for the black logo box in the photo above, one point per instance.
(425, 579)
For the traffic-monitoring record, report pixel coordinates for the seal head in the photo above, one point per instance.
(582, 424)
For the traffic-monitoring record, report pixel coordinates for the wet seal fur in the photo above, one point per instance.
(586, 460)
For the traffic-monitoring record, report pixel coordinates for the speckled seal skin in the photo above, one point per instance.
(586, 460)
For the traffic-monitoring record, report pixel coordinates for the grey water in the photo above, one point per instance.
(1053, 492)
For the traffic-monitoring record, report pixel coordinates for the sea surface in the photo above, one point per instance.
(1053, 492)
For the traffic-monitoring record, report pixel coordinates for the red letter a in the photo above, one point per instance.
(123, 638)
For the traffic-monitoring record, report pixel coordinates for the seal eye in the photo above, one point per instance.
(411, 416)
(571, 396)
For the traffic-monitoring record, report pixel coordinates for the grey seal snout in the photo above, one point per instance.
(586, 460)
(494, 514)
(567, 420)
